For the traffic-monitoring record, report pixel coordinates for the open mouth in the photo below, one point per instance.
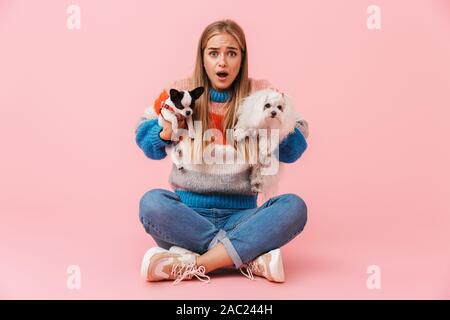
(222, 75)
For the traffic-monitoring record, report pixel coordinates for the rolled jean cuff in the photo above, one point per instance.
(221, 236)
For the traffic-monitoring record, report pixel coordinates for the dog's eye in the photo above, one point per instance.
(280, 107)
(267, 105)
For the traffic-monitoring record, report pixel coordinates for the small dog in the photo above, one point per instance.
(177, 106)
(264, 109)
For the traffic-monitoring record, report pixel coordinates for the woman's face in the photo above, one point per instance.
(222, 60)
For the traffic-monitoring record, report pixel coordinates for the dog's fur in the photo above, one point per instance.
(182, 104)
(265, 109)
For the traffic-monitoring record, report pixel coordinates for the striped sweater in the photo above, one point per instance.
(214, 185)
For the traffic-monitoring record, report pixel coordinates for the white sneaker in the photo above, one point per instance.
(181, 250)
(160, 264)
(268, 265)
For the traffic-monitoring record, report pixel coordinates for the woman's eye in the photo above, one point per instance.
(267, 105)
(279, 107)
(213, 53)
(233, 54)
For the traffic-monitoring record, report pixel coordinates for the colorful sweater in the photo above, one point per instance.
(214, 185)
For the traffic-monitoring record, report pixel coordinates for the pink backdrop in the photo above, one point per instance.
(375, 175)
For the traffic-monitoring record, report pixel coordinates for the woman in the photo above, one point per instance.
(211, 220)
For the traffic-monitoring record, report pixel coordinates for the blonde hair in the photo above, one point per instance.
(239, 89)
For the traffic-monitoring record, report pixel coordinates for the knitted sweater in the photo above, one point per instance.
(214, 185)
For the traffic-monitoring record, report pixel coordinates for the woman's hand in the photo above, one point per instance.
(166, 133)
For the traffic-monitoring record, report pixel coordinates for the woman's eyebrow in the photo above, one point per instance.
(233, 48)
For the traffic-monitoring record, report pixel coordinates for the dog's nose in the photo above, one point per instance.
(273, 113)
(188, 113)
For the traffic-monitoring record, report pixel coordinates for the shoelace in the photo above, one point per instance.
(187, 271)
(250, 267)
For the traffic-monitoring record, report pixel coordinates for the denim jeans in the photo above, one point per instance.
(245, 233)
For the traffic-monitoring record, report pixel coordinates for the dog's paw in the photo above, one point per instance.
(252, 133)
(239, 134)
(256, 188)
(191, 134)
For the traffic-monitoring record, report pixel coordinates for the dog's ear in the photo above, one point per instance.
(262, 100)
(197, 92)
(175, 95)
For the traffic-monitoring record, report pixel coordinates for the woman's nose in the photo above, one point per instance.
(222, 61)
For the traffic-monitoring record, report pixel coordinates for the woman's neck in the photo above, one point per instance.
(219, 95)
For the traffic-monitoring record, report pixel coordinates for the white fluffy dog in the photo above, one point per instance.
(270, 110)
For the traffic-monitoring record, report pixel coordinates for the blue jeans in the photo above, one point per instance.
(245, 233)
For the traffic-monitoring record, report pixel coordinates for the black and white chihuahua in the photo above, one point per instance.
(179, 105)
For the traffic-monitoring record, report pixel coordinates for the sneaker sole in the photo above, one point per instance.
(276, 264)
(146, 260)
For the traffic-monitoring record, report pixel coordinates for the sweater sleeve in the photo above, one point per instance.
(148, 139)
(292, 147)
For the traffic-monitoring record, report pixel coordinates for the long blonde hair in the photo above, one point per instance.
(238, 90)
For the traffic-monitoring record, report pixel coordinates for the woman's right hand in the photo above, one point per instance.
(166, 133)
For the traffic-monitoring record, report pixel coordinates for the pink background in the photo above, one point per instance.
(375, 175)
